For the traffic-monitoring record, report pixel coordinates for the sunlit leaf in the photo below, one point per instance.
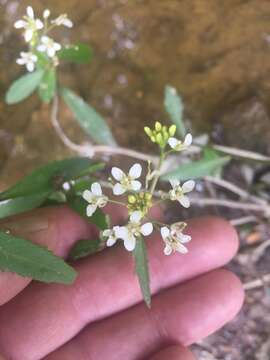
(174, 107)
(78, 204)
(23, 87)
(92, 123)
(31, 260)
(49, 177)
(84, 248)
(141, 265)
(21, 204)
(47, 86)
(196, 169)
(77, 53)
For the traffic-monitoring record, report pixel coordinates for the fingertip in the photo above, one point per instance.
(174, 352)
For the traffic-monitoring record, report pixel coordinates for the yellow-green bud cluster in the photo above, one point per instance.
(140, 202)
(160, 134)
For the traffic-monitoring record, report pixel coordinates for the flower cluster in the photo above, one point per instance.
(141, 199)
(36, 36)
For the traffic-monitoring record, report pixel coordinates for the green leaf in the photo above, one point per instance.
(84, 248)
(174, 107)
(78, 204)
(31, 260)
(77, 53)
(23, 87)
(49, 177)
(91, 122)
(141, 265)
(21, 204)
(47, 86)
(196, 169)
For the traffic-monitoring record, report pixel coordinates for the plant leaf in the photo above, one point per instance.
(174, 107)
(21, 204)
(196, 169)
(77, 53)
(23, 87)
(31, 260)
(91, 122)
(48, 177)
(78, 204)
(84, 248)
(141, 265)
(47, 86)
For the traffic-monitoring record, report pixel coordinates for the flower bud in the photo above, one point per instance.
(158, 126)
(148, 131)
(172, 130)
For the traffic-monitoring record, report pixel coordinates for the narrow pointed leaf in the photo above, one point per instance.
(174, 107)
(84, 248)
(23, 87)
(90, 121)
(77, 53)
(47, 86)
(196, 169)
(49, 177)
(31, 260)
(141, 265)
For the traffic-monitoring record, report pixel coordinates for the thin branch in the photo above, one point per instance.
(257, 282)
(244, 220)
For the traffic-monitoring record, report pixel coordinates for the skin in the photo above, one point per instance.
(101, 316)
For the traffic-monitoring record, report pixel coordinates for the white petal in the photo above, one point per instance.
(41, 48)
(173, 142)
(46, 13)
(39, 24)
(174, 183)
(121, 232)
(146, 229)
(135, 171)
(135, 185)
(136, 216)
(30, 12)
(117, 173)
(184, 238)
(28, 35)
(165, 232)
(130, 243)
(167, 250)
(20, 61)
(96, 189)
(184, 201)
(87, 195)
(19, 24)
(111, 241)
(51, 52)
(57, 46)
(107, 232)
(30, 66)
(68, 23)
(181, 248)
(118, 189)
(188, 186)
(188, 140)
(45, 39)
(91, 209)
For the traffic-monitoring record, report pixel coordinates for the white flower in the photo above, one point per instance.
(132, 230)
(178, 145)
(111, 235)
(95, 198)
(62, 20)
(28, 59)
(46, 13)
(29, 23)
(49, 46)
(178, 192)
(174, 239)
(127, 182)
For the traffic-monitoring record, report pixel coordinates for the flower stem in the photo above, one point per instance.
(155, 179)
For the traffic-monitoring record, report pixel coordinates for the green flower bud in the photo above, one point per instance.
(132, 199)
(158, 126)
(153, 139)
(159, 139)
(172, 130)
(148, 131)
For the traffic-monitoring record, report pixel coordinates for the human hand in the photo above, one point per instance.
(101, 315)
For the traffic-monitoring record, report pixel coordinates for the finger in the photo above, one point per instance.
(175, 352)
(57, 228)
(106, 284)
(183, 314)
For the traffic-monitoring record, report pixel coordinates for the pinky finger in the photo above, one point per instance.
(175, 352)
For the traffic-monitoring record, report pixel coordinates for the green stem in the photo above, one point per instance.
(155, 180)
(116, 202)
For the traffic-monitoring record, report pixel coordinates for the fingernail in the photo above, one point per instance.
(31, 224)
